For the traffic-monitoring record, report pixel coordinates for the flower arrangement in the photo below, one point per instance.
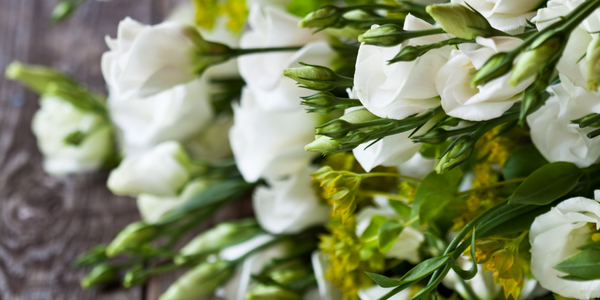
(393, 149)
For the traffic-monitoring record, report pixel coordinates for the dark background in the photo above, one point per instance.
(46, 222)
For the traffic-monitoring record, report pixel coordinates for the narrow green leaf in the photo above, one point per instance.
(388, 235)
(517, 220)
(425, 268)
(383, 281)
(585, 264)
(468, 274)
(594, 245)
(547, 184)
(446, 183)
(373, 228)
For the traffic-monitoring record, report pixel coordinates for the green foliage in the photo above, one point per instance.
(584, 265)
(388, 234)
(435, 193)
(301, 8)
(523, 162)
(547, 184)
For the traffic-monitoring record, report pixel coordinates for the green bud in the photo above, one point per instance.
(74, 138)
(92, 257)
(359, 116)
(535, 59)
(270, 292)
(408, 53)
(288, 274)
(326, 16)
(323, 144)
(390, 35)
(461, 21)
(458, 152)
(434, 136)
(496, 66)
(199, 282)
(335, 128)
(131, 237)
(325, 102)
(135, 276)
(37, 78)
(102, 273)
(222, 235)
(593, 64)
(317, 77)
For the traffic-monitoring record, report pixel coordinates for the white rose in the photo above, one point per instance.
(489, 101)
(406, 246)
(290, 204)
(401, 89)
(144, 60)
(270, 143)
(161, 171)
(177, 114)
(573, 62)
(153, 207)
(552, 132)
(506, 15)
(56, 120)
(556, 235)
(271, 27)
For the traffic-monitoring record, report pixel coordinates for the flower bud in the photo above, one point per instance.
(593, 64)
(289, 273)
(496, 66)
(326, 16)
(199, 282)
(335, 128)
(131, 237)
(269, 292)
(36, 78)
(92, 257)
(61, 11)
(459, 151)
(325, 102)
(162, 171)
(322, 144)
(206, 53)
(434, 136)
(102, 273)
(135, 276)
(533, 60)
(390, 35)
(461, 21)
(222, 235)
(317, 77)
(408, 53)
(359, 116)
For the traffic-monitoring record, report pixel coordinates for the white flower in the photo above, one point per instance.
(271, 27)
(400, 89)
(485, 102)
(270, 143)
(375, 292)
(144, 60)
(290, 204)
(406, 246)
(213, 141)
(56, 120)
(161, 171)
(177, 114)
(505, 15)
(573, 62)
(556, 235)
(153, 207)
(237, 286)
(552, 132)
(320, 264)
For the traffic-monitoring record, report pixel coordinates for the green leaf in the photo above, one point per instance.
(516, 221)
(400, 208)
(425, 268)
(594, 245)
(437, 191)
(373, 229)
(585, 264)
(383, 281)
(547, 184)
(388, 235)
(468, 274)
(523, 162)
(433, 151)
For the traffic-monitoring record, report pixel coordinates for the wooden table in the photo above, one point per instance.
(45, 222)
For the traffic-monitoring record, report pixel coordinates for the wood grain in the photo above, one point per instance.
(45, 222)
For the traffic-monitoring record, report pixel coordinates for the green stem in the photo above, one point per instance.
(371, 193)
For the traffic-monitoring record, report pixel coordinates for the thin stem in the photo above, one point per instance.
(244, 51)
(491, 186)
(371, 193)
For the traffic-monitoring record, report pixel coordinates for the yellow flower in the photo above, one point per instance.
(207, 12)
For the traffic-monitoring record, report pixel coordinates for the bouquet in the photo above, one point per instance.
(393, 149)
